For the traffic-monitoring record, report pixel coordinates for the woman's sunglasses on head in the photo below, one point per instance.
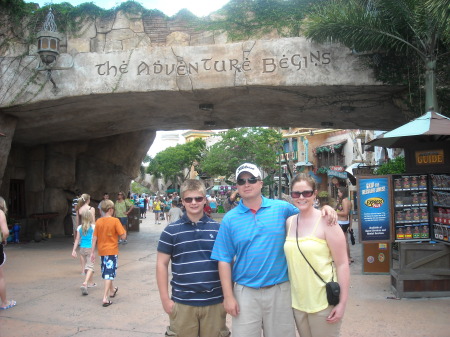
(297, 194)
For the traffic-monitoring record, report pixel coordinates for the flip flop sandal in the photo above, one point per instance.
(107, 304)
(92, 285)
(11, 304)
(116, 289)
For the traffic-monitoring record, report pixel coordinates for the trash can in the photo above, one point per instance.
(134, 220)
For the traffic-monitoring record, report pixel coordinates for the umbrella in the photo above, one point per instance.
(349, 171)
(430, 127)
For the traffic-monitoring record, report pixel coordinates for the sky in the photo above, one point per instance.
(169, 7)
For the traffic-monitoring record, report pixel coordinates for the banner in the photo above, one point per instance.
(374, 206)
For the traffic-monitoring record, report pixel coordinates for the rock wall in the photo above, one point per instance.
(52, 172)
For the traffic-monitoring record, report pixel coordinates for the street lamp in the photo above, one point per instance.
(48, 48)
(48, 41)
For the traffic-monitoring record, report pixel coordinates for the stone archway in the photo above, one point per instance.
(94, 129)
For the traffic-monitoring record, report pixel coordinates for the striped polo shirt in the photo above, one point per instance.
(256, 241)
(195, 276)
(74, 206)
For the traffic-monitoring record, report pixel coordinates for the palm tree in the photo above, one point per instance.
(421, 26)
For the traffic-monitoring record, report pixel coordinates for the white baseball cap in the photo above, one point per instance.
(250, 168)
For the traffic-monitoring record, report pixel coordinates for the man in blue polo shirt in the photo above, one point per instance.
(251, 237)
(195, 308)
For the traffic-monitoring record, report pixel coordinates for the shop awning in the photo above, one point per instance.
(302, 163)
(331, 146)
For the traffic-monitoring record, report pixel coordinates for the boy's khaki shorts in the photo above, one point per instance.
(191, 321)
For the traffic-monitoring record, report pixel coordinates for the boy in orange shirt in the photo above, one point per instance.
(107, 232)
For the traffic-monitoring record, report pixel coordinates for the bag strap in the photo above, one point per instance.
(298, 246)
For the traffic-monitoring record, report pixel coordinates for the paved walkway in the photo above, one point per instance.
(45, 281)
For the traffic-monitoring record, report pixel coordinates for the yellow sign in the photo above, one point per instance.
(430, 157)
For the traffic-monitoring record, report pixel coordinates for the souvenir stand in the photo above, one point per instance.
(420, 207)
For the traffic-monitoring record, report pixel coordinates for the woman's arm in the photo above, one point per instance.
(336, 242)
(75, 244)
(4, 226)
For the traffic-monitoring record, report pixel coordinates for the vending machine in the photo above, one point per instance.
(440, 206)
(421, 207)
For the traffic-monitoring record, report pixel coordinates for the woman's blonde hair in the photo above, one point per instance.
(3, 205)
(82, 200)
(86, 221)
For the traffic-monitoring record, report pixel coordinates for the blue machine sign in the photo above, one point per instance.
(374, 208)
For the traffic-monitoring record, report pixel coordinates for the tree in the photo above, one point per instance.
(393, 166)
(404, 27)
(256, 145)
(138, 188)
(245, 19)
(173, 161)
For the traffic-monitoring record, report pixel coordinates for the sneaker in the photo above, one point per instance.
(124, 242)
(84, 290)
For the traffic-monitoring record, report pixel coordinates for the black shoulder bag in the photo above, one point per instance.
(333, 289)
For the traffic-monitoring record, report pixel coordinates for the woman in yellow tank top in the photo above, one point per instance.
(321, 244)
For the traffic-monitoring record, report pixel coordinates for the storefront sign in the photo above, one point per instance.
(337, 168)
(340, 175)
(374, 207)
(430, 157)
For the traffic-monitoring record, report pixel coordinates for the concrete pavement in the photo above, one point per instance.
(45, 281)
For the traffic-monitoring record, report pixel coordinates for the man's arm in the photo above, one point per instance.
(331, 215)
(230, 304)
(162, 279)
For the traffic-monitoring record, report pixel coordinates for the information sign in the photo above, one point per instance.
(374, 207)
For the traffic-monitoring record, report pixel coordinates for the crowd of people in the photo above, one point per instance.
(268, 264)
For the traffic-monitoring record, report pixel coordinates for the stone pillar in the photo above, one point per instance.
(7, 127)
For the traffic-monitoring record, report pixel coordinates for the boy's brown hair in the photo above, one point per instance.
(106, 205)
(193, 185)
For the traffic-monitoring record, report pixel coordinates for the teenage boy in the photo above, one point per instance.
(106, 234)
(251, 237)
(195, 308)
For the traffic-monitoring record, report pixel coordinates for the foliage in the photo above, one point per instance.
(411, 33)
(172, 162)
(255, 145)
(322, 170)
(323, 194)
(69, 18)
(329, 148)
(393, 166)
(138, 188)
(244, 19)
